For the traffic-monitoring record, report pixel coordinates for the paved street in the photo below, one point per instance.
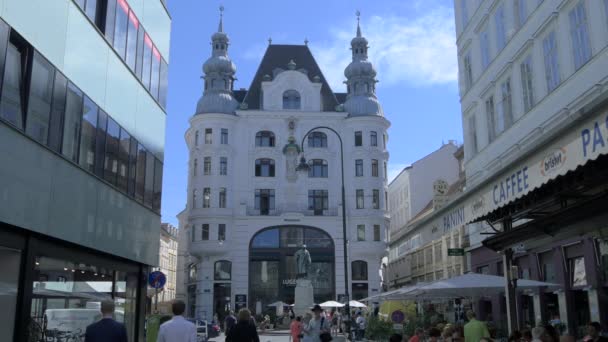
(278, 336)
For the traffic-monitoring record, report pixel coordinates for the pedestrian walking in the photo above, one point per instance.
(474, 330)
(243, 331)
(106, 329)
(317, 329)
(229, 322)
(361, 325)
(178, 328)
(295, 329)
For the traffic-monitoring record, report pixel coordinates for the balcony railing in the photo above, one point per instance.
(280, 210)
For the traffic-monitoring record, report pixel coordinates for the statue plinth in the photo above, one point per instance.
(304, 297)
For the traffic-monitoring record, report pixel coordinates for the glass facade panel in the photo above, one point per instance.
(147, 62)
(158, 184)
(292, 237)
(132, 166)
(88, 132)
(100, 143)
(112, 143)
(11, 106)
(57, 111)
(40, 98)
(155, 73)
(132, 29)
(9, 278)
(124, 148)
(149, 182)
(71, 123)
(141, 173)
(264, 280)
(164, 85)
(120, 28)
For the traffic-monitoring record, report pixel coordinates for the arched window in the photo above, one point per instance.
(318, 168)
(264, 167)
(222, 270)
(317, 139)
(264, 139)
(291, 99)
(359, 270)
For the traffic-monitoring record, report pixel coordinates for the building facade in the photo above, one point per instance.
(167, 261)
(82, 96)
(533, 78)
(250, 207)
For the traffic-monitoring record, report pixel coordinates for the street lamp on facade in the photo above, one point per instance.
(303, 166)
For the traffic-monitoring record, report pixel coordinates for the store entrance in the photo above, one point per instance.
(9, 288)
(221, 300)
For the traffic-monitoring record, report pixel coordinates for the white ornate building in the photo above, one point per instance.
(249, 208)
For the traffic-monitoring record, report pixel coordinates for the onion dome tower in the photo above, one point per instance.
(361, 80)
(219, 76)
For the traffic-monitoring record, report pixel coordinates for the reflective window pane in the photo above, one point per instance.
(223, 270)
(131, 53)
(266, 239)
(125, 299)
(149, 182)
(71, 123)
(57, 111)
(111, 160)
(147, 61)
(162, 92)
(11, 106)
(141, 173)
(88, 135)
(120, 28)
(91, 10)
(40, 98)
(9, 278)
(155, 73)
(123, 160)
(132, 166)
(139, 59)
(158, 184)
(100, 143)
(110, 19)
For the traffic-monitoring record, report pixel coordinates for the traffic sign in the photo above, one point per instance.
(455, 251)
(397, 316)
(157, 279)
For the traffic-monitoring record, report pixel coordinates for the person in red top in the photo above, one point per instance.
(296, 329)
(418, 336)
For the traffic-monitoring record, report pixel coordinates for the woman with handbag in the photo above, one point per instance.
(318, 328)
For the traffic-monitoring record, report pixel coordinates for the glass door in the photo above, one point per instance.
(9, 288)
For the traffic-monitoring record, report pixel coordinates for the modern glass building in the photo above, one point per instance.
(83, 89)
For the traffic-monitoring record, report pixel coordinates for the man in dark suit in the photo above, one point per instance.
(107, 329)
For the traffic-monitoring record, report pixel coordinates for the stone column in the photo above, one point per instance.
(563, 309)
(538, 320)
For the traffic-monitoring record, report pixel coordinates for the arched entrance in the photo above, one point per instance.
(272, 265)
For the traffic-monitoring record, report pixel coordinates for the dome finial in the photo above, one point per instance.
(358, 13)
(221, 26)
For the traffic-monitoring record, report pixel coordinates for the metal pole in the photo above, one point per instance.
(156, 300)
(344, 240)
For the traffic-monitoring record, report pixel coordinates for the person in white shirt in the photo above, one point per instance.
(360, 325)
(178, 328)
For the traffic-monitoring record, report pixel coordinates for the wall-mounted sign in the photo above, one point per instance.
(240, 301)
(455, 251)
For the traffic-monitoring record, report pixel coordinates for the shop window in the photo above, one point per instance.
(547, 266)
(223, 270)
(88, 132)
(264, 168)
(359, 291)
(71, 123)
(264, 139)
(112, 143)
(359, 270)
(40, 98)
(266, 239)
(317, 139)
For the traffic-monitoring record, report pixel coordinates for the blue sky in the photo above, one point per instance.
(412, 45)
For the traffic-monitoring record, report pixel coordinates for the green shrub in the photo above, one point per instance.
(378, 330)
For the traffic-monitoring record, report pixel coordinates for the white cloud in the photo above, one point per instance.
(420, 50)
(394, 169)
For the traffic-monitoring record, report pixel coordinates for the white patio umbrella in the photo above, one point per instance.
(331, 304)
(278, 304)
(470, 285)
(355, 304)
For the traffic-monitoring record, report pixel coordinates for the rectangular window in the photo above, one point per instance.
(360, 199)
(100, 143)
(359, 168)
(485, 49)
(506, 108)
(12, 103)
(206, 197)
(264, 200)
(132, 29)
(491, 118)
(551, 63)
(386, 200)
(317, 168)
(223, 166)
(224, 136)
(132, 166)
(377, 232)
(473, 135)
(358, 138)
(91, 10)
(146, 61)
(208, 135)
(374, 167)
(360, 232)
(164, 83)
(195, 167)
(141, 173)
(40, 98)
(112, 143)
(580, 35)
(499, 18)
(521, 12)
(221, 232)
(57, 111)
(71, 123)
(158, 185)
(527, 84)
(88, 135)
(222, 198)
(384, 139)
(110, 20)
(120, 28)
(373, 138)
(155, 73)
(376, 199)
(139, 58)
(318, 201)
(149, 183)
(207, 166)
(205, 232)
(468, 71)
(385, 171)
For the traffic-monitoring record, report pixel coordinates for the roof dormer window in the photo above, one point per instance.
(291, 99)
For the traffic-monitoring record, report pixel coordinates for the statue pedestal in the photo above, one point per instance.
(304, 297)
